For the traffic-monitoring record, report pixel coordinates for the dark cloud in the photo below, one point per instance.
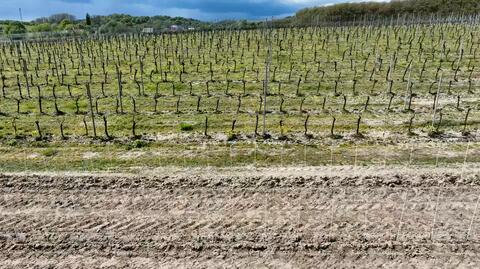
(199, 9)
(250, 8)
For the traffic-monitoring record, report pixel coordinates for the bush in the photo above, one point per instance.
(186, 127)
(15, 28)
(65, 24)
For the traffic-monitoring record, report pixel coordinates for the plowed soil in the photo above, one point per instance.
(265, 218)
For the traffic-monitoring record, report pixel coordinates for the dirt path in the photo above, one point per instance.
(303, 217)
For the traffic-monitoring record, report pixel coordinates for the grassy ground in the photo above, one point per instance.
(139, 155)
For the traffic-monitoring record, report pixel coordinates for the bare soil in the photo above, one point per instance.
(337, 217)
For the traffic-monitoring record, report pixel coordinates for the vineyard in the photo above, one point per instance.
(275, 147)
(348, 87)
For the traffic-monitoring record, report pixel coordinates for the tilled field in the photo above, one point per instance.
(305, 217)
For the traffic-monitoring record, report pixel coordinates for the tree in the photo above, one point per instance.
(15, 28)
(65, 24)
(88, 20)
(57, 18)
(356, 11)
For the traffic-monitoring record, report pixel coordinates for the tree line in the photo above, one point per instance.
(115, 23)
(347, 12)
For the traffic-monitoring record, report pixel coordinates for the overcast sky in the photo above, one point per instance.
(199, 9)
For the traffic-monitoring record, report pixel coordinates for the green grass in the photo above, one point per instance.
(49, 152)
(138, 156)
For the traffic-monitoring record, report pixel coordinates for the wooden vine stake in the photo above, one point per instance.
(39, 130)
(92, 115)
(465, 132)
(105, 123)
(206, 127)
(332, 134)
(61, 130)
(435, 105)
(256, 125)
(120, 90)
(306, 127)
(358, 134)
(134, 126)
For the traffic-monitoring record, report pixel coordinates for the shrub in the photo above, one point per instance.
(15, 28)
(186, 127)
